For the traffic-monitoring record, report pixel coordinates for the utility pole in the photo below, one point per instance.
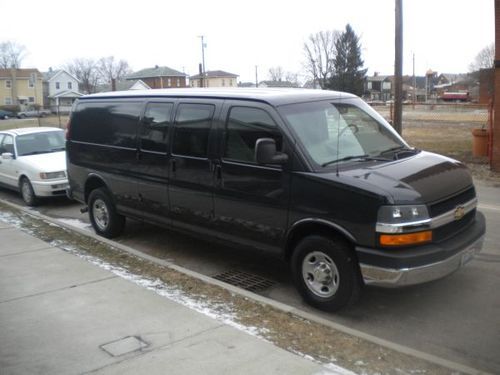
(256, 78)
(398, 69)
(203, 73)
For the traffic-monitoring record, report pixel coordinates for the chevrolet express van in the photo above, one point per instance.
(317, 177)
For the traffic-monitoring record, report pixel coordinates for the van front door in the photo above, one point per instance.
(191, 174)
(251, 200)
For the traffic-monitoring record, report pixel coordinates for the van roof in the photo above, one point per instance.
(272, 96)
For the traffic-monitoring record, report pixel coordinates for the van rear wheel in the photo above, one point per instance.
(326, 273)
(103, 216)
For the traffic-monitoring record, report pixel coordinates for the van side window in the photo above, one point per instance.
(244, 126)
(192, 126)
(107, 123)
(155, 127)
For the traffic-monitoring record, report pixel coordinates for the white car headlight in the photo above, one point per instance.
(52, 175)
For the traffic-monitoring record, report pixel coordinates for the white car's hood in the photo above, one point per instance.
(49, 162)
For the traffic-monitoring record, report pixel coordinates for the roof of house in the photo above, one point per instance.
(51, 74)
(279, 84)
(67, 94)
(215, 74)
(120, 85)
(20, 73)
(157, 71)
(378, 78)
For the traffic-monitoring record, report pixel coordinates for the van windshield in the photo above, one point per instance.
(333, 132)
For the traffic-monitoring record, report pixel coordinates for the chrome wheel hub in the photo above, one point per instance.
(100, 214)
(320, 274)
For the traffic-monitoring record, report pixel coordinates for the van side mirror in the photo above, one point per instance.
(7, 156)
(265, 152)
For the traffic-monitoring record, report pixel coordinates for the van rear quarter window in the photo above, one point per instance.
(106, 123)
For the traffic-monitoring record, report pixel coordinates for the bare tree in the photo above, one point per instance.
(292, 77)
(276, 73)
(484, 59)
(113, 70)
(87, 71)
(320, 54)
(11, 55)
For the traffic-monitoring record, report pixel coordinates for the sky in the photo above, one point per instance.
(444, 35)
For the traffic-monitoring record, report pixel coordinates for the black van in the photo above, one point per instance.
(315, 176)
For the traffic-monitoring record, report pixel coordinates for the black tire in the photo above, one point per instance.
(326, 273)
(102, 213)
(28, 193)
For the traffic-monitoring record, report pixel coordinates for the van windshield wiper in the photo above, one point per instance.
(400, 149)
(364, 157)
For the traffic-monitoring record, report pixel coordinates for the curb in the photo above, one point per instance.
(258, 298)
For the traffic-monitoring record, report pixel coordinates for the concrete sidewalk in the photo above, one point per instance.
(62, 315)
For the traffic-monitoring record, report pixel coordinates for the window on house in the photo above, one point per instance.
(58, 85)
(8, 101)
(223, 83)
(31, 83)
(70, 85)
(31, 99)
(8, 84)
(230, 82)
(169, 82)
(178, 82)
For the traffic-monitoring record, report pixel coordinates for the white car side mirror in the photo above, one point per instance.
(7, 156)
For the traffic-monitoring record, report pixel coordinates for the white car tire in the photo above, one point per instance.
(27, 192)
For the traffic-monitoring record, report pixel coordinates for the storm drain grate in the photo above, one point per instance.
(244, 280)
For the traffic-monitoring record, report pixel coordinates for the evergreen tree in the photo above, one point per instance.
(348, 73)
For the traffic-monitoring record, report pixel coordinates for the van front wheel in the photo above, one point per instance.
(103, 216)
(326, 273)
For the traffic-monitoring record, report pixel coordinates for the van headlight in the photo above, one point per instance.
(403, 225)
(52, 175)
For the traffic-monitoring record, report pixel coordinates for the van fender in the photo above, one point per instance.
(92, 182)
(313, 225)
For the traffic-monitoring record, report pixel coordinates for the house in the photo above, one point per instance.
(159, 77)
(21, 87)
(124, 86)
(486, 85)
(60, 90)
(278, 84)
(214, 78)
(246, 84)
(378, 87)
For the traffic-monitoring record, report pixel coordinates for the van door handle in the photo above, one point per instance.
(174, 167)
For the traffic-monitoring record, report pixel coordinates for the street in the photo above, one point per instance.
(457, 318)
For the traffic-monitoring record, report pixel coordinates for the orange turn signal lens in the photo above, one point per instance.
(405, 239)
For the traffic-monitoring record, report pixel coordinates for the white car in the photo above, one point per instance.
(33, 161)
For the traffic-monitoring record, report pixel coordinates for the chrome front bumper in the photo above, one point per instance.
(392, 278)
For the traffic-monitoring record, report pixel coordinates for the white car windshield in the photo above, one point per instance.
(40, 143)
(334, 132)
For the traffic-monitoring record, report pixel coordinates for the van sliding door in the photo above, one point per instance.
(191, 176)
(153, 160)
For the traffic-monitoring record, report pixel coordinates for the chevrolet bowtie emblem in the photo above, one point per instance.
(459, 212)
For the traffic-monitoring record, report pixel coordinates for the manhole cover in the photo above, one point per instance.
(124, 346)
(244, 280)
